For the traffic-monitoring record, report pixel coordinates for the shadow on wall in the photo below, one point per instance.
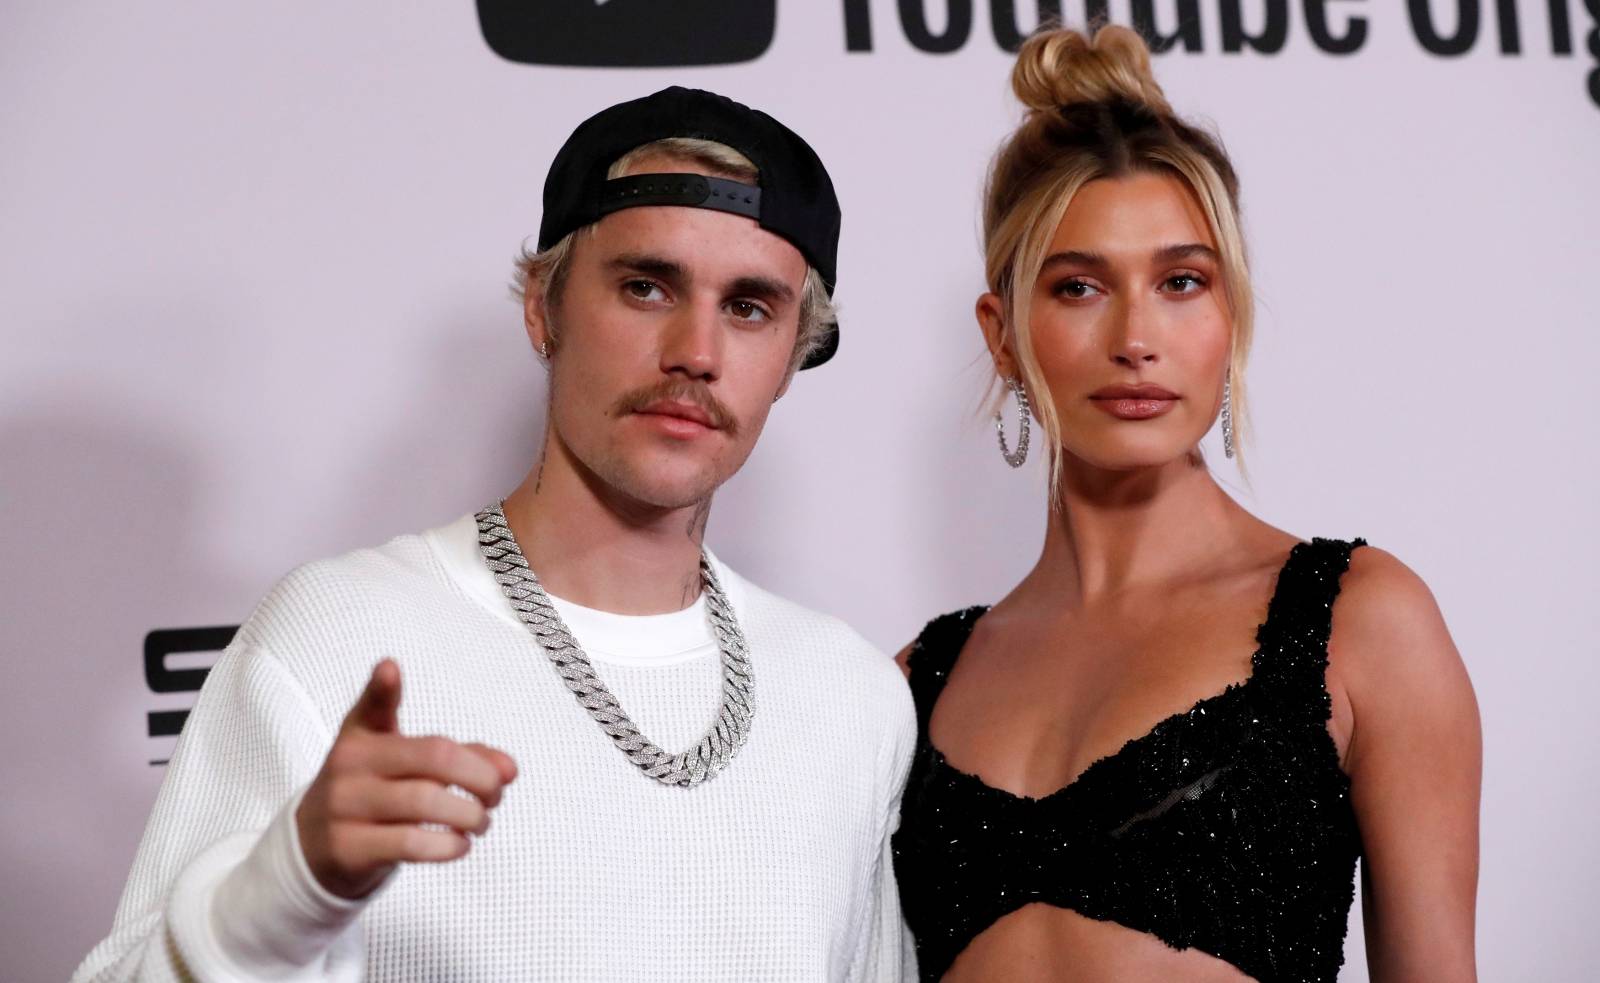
(464, 432)
(101, 544)
(894, 513)
(97, 549)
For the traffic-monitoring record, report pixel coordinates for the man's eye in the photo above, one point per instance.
(746, 310)
(642, 290)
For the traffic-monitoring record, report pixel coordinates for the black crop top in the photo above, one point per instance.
(1227, 827)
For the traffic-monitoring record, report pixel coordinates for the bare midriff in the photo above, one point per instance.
(1041, 943)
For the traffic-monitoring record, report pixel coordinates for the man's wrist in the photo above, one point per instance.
(252, 907)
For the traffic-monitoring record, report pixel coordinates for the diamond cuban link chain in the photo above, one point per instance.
(686, 769)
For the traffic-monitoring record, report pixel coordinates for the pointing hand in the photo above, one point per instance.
(364, 812)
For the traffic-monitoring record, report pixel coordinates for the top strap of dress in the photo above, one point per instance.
(933, 655)
(1292, 643)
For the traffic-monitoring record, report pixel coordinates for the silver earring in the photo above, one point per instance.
(1227, 416)
(1016, 457)
(544, 349)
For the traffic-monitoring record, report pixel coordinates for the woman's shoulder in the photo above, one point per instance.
(1381, 599)
(1410, 698)
(1389, 644)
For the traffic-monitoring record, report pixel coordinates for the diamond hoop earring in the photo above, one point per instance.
(1016, 457)
(1227, 416)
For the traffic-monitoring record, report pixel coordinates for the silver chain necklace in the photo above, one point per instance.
(687, 769)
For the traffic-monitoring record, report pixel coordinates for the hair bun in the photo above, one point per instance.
(1061, 67)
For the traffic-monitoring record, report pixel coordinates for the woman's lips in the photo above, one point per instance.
(1134, 402)
(1134, 409)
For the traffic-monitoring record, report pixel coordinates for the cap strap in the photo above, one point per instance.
(688, 190)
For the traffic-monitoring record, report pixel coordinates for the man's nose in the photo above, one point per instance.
(692, 342)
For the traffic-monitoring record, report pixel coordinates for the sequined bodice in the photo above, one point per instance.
(1226, 828)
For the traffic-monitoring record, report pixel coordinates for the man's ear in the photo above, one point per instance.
(991, 312)
(534, 317)
(783, 387)
(788, 375)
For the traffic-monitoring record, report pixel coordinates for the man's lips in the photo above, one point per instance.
(678, 408)
(1134, 402)
(683, 411)
(680, 419)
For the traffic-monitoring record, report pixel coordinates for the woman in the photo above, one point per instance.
(1160, 756)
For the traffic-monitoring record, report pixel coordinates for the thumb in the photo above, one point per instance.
(378, 706)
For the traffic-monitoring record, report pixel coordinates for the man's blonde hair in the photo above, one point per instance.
(549, 268)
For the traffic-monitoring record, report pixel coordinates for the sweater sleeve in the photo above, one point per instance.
(888, 954)
(219, 887)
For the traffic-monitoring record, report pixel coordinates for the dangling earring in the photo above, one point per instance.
(1014, 458)
(1227, 415)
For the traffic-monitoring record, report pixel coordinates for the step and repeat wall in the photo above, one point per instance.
(254, 268)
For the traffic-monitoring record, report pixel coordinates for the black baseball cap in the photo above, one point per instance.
(794, 198)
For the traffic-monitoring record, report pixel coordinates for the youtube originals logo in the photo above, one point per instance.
(628, 33)
(674, 33)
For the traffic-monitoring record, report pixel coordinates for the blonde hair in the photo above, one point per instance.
(1094, 110)
(550, 267)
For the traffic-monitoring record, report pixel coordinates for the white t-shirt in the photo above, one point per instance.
(777, 869)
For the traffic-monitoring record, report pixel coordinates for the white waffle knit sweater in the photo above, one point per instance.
(777, 869)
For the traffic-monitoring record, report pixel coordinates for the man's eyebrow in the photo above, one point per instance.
(656, 266)
(763, 287)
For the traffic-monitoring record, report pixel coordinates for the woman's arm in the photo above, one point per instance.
(1415, 759)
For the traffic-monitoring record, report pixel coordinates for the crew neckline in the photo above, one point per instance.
(621, 639)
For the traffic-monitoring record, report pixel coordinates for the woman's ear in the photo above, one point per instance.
(991, 311)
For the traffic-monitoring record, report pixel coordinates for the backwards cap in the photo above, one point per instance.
(794, 198)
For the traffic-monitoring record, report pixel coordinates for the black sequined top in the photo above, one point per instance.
(1227, 827)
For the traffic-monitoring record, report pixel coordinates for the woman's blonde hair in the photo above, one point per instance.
(1094, 110)
(549, 268)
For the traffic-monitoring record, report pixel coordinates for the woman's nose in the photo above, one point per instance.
(1131, 343)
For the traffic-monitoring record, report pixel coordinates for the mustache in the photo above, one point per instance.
(683, 391)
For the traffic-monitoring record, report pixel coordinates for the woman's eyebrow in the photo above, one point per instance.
(1187, 250)
(1166, 254)
(1076, 257)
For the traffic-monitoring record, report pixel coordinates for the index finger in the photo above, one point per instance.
(378, 706)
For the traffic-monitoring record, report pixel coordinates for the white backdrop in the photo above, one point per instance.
(253, 267)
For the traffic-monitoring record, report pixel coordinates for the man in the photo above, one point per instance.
(314, 823)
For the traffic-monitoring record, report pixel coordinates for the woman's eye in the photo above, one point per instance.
(746, 310)
(643, 290)
(1074, 289)
(1183, 283)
